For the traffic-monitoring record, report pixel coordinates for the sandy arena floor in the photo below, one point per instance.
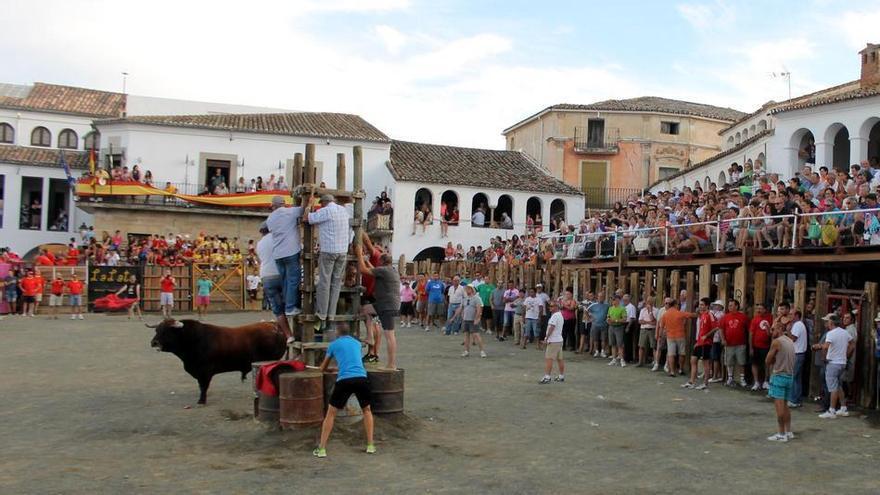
(88, 407)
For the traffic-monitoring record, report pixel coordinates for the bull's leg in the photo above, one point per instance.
(204, 383)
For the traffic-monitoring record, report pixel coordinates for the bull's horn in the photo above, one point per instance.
(177, 324)
(151, 326)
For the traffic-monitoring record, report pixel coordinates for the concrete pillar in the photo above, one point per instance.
(824, 154)
(858, 149)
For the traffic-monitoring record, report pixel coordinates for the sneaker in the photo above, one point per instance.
(80, 317)
(622, 363)
(72, 317)
(687, 385)
(742, 383)
(701, 386)
(443, 329)
(829, 414)
(545, 380)
(666, 368)
(843, 412)
(715, 380)
(656, 367)
(559, 378)
(596, 354)
(603, 355)
(290, 340)
(789, 435)
(756, 387)
(766, 386)
(729, 382)
(680, 372)
(482, 354)
(612, 362)
(427, 329)
(465, 354)
(319, 452)
(792, 405)
(778, 437)
(371, 449)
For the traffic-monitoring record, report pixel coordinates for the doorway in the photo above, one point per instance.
(211, 168)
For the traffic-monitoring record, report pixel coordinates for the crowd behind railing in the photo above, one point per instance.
(818, 208)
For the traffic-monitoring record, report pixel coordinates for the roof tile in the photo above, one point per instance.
(42, 157)
(68, 99)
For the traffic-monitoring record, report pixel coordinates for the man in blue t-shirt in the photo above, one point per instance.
(598, 315)
(351, 379)
(435, 288)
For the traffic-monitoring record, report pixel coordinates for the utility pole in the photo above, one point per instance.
(124, 77)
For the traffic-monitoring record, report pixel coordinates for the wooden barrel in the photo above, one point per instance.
(266, 407)
(352, 412)
(386, 387)
(301, 399)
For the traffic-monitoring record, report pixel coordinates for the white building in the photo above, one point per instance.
(835, 127)
(503, 182)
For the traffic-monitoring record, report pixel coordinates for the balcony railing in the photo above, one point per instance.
(597, 143)
(604, 198)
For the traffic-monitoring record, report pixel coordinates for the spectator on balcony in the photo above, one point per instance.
(217, 179)
(252, 186)
(478, 219)
(221, 189)
(148, 178)
(259, 184)
(281, 185)
(444, 219)
(270, 184)
(136, 173)
(240, 186)
(506, 221)
(205, 191)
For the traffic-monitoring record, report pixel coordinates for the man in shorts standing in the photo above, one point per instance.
(41, 287)
(838, 345)
(204, 285)
(56, 295)
(351, 379)
(75, 286)
(510, 295)
(434, 288)
(485, 290)
(617, 322)
(673, 324)
(647, 329)
(759, 342)
(455, 293)
(166, 293)
(469, 313)
(780, 359)
(598, 314)
(498, 310)
(584, 328)
(706, 328)
(273, 284)
(717, 310)
(532, 315)
(733, 338)
(387, 295)
(29, 286)
(553, 343)
(422, 301)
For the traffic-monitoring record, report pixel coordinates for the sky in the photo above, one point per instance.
(454, 72)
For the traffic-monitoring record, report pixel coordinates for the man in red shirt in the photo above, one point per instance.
(38, 297)
(75, 287)
(166, 294)
(29, 286)
(759, 340)
(734, 337)
(374, 332)
(56, 295)
(707, 325)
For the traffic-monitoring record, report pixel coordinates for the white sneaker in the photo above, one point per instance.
(612, 362)
(596, 354)
(482, 354)
(743, 384)
(778, 437)
(756, 387)
(701, 386)
(603, 355)
(729, 382)
(622, 363)
(766, 386)
(789, 435)
(81, 317)
(465, 354)
(656, 367)
(666, 368)
(687, 385)
(72, 317)
(443, 329)
(829, 414)
(843, 411)
(715, 380)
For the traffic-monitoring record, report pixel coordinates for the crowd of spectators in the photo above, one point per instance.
(217, 185)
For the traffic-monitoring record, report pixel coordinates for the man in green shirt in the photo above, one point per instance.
(617, 321)
(485, 291)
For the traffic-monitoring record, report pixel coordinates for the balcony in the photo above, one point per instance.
(600, 141)
(603, 198)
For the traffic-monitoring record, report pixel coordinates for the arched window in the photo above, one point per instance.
(92, 141)
(41, 137)
(557, 210)
(730, 142)
(759, 162)
(745, 134)
(68, 139)
(7, 133)
(762, 125)
(533, 212)
(449, 207)
(503, 216)
(738, 138)
(722, 180)
(480, 211)
(424, 200)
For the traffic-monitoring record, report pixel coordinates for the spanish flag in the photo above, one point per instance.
(92, 161)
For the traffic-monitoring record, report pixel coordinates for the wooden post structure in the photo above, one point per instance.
(340, 171)
(822, 289)
(800, 294)
(723, 288)
(674, 285)
(297, 170)
(634, 287)
(610, 282)
(760, 290)
(865, 347)
(739, 288)
(705, 280)
(661, 288)
(690, 287)
(648, 285)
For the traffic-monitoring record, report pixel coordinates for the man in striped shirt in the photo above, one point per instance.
(334, 234)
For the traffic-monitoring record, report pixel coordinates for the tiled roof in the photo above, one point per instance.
(644, 104)
(42, 157)
(67, 99)
(730, 151)
(844, 92)
(322, 125)
(764, 108)
(490, 169)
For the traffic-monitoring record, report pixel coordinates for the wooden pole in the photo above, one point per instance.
(610, 280)
(661, 288)
(674, 285)
(800, 294)
(822, 289)
(705, 280)
(649, 285)
(297, 169)
(724, 287)
(340, 171)
(779, 295)
(690, 287)
(739, 288)
(865, 347)
(310, 163)
(760, 291)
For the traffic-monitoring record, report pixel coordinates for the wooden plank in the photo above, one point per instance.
(648, 285)
(691, 325)
(739, 288)
(310, 164)
(822, 289)
(557, 278)
(610, 282)
(588, 280)
(724, 288)
(297, 179)
(705, 280)
(634, 287)
(779, 294)
(660, 291)
(867, 368)
(674, 285)
(760, 287)
(800, 294)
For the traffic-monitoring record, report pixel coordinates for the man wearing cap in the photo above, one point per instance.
(838, 344)
(283, 223)
(333, 238)
(273, 286)
(801, 340)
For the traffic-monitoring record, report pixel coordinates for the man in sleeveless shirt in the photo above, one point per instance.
(780, 360)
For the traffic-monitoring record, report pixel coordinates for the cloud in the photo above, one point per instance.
(393, 39)
(856, 27)
(705, 16)
(351, 5)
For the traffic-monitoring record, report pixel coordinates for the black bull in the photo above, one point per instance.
(207, 350)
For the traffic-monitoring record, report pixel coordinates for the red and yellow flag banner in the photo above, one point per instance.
(91, 187)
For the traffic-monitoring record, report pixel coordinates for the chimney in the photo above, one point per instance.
(870, 65)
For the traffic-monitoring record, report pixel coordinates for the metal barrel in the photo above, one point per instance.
(386, 388)
(352, 412)
(301, 399)
(266, 407)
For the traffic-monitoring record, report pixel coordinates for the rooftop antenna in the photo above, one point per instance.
(124, 77)
(787, 75)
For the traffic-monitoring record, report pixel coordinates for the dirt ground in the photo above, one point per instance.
(88, 407)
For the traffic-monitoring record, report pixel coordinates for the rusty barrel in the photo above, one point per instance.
(266, 407)
(301, 399)
(386, 388)
(352, 412)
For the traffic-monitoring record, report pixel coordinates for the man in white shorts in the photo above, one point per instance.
(553, 342)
